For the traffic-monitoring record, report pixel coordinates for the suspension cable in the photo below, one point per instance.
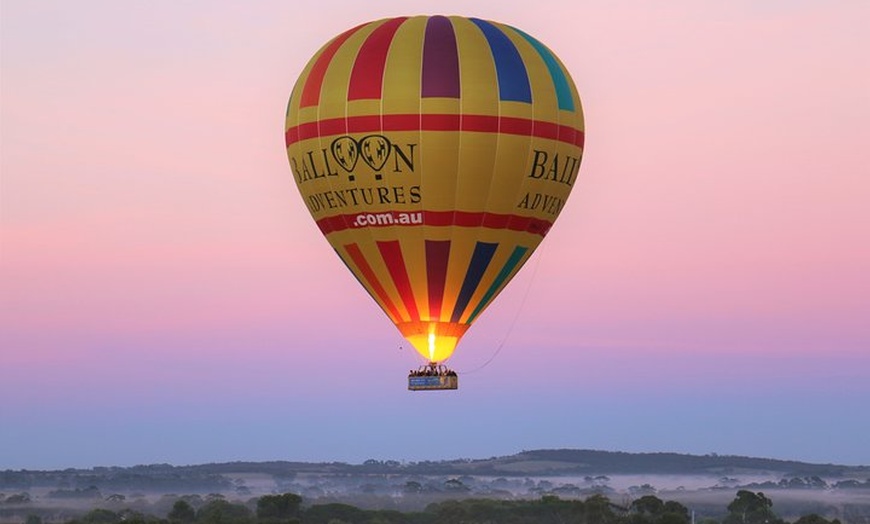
(540, 252)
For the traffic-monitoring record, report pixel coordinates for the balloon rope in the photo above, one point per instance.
(540, 252)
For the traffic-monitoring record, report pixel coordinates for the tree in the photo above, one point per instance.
(412, 486)
(181, 511)
(814, 518)
(648, 505)
(751, 508)
(101, 516)
(18, 498)
(219, 511)
(455, 485)
(650, 508)
(599, 510)
(282, 507)
(674, 513)
(325, 513)
(129, 516)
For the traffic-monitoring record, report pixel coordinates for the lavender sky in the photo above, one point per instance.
(166, 297)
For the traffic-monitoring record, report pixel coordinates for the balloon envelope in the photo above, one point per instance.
(434, 154)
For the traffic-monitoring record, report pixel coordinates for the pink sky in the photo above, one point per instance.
(157, 260)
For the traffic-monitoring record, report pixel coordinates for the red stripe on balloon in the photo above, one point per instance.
(537, 226)
(367, 76)
(442, 122)
(522, 126)
(372, 279)
(435, 122)
(391, 252)
(334, 223)
(488, 220)
(364, 124)
(437, 255)
(311, 90)
(494, 221)
(335, 126)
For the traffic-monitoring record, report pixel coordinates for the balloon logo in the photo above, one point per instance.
(471, 136)
(374, 150)
(344, 151)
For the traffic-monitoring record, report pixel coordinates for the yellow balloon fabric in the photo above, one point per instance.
(434, 153)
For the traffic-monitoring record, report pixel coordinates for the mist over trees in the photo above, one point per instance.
(289, 508)
(534, 486)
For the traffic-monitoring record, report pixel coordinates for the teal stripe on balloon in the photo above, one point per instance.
(560, 81)
(500, 280)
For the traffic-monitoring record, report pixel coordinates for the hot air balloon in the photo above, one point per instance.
(434, 154)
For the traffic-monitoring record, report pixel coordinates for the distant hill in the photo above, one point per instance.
(545, 462)
(583, 461)
(574, 461)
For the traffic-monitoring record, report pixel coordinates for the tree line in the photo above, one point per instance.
(748, 507)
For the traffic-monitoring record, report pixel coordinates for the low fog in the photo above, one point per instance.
(706, 496)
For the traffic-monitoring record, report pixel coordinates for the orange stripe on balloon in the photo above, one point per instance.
(373, 282)
(435, 122)
(367, 76)
(311, 90)
(391, 252)
(340, 222)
